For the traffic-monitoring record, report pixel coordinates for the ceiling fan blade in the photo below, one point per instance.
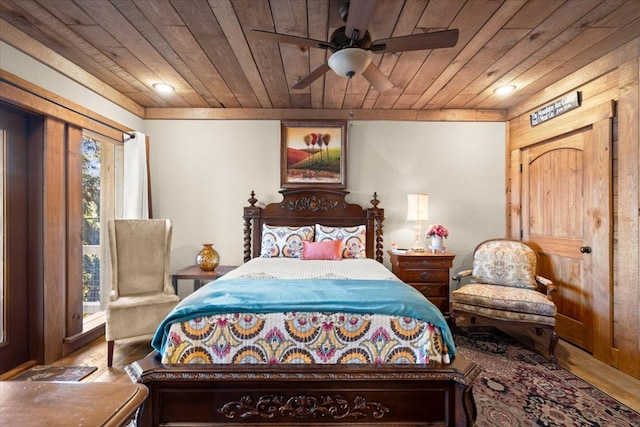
(378, 80)
(358, 17)
(435, 40)
(285, 38)
(311, 77)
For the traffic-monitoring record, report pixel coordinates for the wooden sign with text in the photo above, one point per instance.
(556, 108)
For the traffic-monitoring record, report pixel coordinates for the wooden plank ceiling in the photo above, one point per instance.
(201, 48)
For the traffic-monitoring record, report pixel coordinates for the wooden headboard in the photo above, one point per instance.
(309, 206)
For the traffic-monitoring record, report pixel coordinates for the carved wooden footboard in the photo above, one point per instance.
(217, 395)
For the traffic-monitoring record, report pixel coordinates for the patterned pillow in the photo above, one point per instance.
(284, 242)
(506, 264)
(354, 239)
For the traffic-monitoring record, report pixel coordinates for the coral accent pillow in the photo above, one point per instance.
(354, 238)
(285, 242)
(327, 250)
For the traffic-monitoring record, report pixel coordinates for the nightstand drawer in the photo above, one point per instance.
(435, 290)
(419, 262)
(424, 275)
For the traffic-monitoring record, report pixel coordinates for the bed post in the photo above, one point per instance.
(375, 217)
(251, 213)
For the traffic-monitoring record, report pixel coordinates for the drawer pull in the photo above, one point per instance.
(425, 275)
(425, 290)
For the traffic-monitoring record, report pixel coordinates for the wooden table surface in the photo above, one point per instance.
(194, 272)
(41, 403)
(198, 276)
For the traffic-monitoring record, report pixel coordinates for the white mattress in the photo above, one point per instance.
(294, 268)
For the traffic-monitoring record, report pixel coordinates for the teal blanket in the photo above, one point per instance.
(388, 297)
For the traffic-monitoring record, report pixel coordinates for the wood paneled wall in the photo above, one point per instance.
(626, 298)
(611, 83)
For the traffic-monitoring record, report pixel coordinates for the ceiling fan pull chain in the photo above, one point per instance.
(349, 90)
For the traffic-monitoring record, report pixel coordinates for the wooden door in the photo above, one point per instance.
(565, 214)
(14, 345)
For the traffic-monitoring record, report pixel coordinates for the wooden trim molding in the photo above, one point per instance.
(24, 94)
(452, 115)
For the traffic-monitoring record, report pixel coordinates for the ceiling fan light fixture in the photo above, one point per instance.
(503, 90)
(350, 61)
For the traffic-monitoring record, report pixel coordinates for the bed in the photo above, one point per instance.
(244, 364)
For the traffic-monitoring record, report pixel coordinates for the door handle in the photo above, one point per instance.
(585, 249)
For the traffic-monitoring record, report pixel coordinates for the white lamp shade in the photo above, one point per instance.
(350, 61)
(417, 207)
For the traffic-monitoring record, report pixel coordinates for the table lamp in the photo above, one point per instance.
(418, 210)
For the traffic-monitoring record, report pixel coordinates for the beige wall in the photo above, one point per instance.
(203, 172)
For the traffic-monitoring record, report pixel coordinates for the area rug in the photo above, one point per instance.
(55, 373)
(519, 387)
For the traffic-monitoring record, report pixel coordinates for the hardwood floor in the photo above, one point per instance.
(622, 387)
(95, 354)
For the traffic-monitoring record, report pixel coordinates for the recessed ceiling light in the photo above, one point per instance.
(502, 90)
(163, 87)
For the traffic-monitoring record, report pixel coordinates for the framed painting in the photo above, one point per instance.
(313, 153)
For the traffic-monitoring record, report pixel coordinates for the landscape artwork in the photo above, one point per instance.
(313, 153)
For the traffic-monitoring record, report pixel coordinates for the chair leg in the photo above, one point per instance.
(552, 346)
(451, 321)
(109, 353)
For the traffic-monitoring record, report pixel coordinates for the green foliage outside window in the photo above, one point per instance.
(91, 217)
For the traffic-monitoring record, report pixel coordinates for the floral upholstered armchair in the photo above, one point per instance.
(504, 287)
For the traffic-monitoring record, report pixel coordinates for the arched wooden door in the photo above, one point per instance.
(565, 216)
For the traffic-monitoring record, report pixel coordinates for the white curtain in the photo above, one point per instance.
(136, 185)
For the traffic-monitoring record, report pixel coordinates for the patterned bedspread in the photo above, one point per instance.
(256, 335)
(304, 338)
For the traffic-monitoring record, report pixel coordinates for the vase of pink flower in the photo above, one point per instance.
(437, 233)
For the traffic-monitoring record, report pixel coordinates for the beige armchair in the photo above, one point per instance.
(504, 287)
(141, 291)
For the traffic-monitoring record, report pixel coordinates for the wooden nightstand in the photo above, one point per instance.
(426, 272)
(198, 276)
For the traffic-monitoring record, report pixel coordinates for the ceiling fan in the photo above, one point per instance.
(351, 46)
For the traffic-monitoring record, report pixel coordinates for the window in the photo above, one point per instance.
(102, 172)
